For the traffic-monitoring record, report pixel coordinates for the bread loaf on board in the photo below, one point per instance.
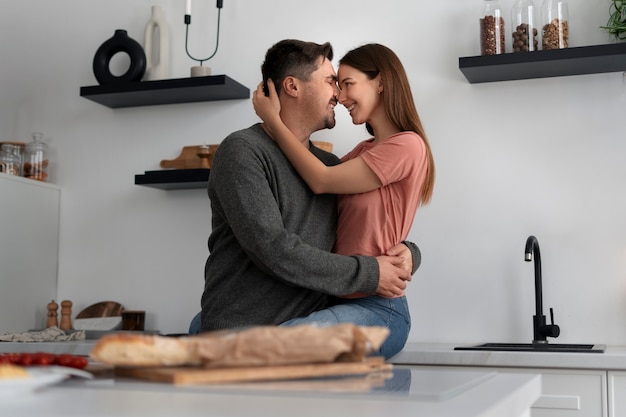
(254, 346)
(135, 349)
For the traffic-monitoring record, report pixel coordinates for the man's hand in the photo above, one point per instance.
(393, 277)
(404, 253)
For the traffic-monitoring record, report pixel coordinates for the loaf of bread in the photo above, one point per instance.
(254, 346)
(290, 345)
(133, 349)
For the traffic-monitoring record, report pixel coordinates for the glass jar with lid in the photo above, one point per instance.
(491, 28)
(18, 151)
(524, 18)
(36, 159)
(555, 24)
(10, 159)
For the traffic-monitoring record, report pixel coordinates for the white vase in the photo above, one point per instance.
(157, 46)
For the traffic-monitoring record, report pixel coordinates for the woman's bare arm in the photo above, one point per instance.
(350, 177)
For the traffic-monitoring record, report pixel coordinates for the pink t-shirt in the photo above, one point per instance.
(370, 223)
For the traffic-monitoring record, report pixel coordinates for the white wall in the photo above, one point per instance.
(541, 157)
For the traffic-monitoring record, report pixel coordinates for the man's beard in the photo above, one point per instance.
(329, 121)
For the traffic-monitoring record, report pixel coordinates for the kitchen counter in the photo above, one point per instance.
(613, 358)
(410, 391)
(439, 354)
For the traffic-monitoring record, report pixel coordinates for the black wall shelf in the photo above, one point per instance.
(541, 64)
(171, 91)
(174, 179)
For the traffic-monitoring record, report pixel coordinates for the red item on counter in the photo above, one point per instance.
(44, 359)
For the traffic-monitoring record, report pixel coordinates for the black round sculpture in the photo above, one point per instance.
(120, 42)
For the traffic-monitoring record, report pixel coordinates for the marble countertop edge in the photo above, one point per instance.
(613, 358)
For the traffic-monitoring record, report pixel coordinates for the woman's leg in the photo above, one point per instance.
(196, 324)
(392, 313)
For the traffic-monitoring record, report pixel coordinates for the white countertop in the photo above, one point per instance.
(428, 391)
(613, 358)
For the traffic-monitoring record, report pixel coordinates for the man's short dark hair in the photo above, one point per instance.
(295, 58)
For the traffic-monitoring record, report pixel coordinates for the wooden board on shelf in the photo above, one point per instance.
(191, 157)
(183, 174)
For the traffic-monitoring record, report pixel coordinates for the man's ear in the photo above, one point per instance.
(291, 86)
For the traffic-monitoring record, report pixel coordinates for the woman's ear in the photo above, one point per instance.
(379, 83)
(291, 86)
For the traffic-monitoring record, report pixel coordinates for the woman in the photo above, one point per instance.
(380, 183)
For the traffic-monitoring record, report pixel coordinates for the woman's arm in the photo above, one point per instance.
(350, 177)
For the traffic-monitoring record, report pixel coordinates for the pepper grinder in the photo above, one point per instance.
(52, 320)
(66, 315)
(204, 153)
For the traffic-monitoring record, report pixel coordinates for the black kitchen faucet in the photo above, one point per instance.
(541, 330)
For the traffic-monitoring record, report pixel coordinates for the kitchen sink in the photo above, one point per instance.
(533, 347)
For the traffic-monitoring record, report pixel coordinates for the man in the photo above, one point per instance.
(270, 248)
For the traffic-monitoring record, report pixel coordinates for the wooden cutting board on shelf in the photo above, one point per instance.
(192, 157)
(201, 156)
(196, 375)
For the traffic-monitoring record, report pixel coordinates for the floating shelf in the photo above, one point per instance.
(540, 64)
(171, 91)
(174, 179)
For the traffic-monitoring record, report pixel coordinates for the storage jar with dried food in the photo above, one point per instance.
(554, 24)
(36, 159)
(524, 18)
(491, 28)
(10, 162)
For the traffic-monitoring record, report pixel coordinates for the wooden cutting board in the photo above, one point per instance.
(189, 158)
(195, 375)
(193, 157)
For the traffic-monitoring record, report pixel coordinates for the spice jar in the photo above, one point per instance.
(524, 20)
(10, 162)
(555, 25)
(36, 159)
(491, 28)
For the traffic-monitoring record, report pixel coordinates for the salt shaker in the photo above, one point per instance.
(52, 320)
(66, 315)
(491, 28)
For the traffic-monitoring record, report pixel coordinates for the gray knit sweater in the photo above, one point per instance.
(271, 238)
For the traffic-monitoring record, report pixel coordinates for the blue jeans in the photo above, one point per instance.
(196, 324)
(392, 313)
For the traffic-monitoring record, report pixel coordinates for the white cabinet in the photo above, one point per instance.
(617, 393)
(29, 242)
(570, 393)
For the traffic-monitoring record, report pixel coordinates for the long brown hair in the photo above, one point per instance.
(373, 59)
